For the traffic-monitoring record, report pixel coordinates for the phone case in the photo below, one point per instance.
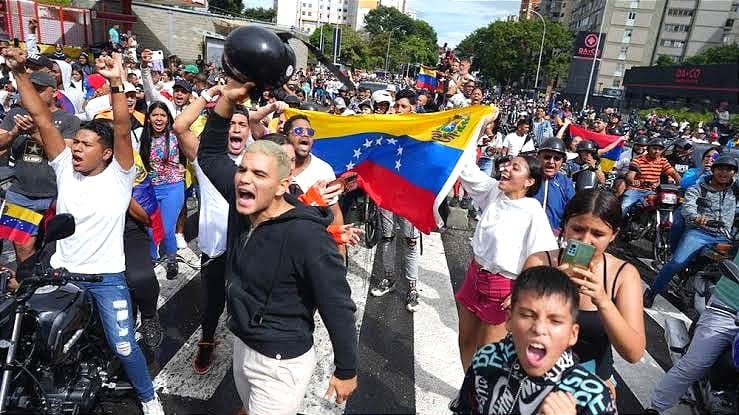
(578, 254)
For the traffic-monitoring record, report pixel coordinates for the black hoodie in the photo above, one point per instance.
(293, 257)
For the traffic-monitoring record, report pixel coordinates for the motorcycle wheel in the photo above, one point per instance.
(372, 225)
(660, 247)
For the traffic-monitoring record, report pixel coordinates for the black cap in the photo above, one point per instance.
(181, 83)
(42, 61)
(43, 79)
(292, 100)
(553, 144)
(656, 142)
(725, 160)
(586, 145)
(683, 144)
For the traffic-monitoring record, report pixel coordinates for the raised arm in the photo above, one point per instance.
(188, 141)
(112, 69)
(613, 145)
(150, 92)
(51, 138)
(258, 130)
(561, 132)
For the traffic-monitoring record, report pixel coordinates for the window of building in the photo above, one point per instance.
(679, 28)
(680, 12)
(627, 36)
(634, 4)
(726, 39)
(630, 18)
(672, 43)
(622, 53)
(735, 7)
(729, 23)
(616, 83)
(619, 69)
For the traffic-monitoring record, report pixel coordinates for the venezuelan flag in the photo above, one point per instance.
(18, 224)
(143, 193)
(607, 160)
(407, 163)
(426, 79)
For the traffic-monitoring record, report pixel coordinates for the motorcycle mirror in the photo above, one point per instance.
(59, 227)
(703, 202)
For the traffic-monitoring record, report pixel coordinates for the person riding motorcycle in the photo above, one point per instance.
(557, 189)
(587, 159)
(682, 156)
(644, 174)
(709, 211)
(638, 147)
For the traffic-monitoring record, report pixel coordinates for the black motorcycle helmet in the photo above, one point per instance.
(726, 160)
(641, 140)
(554, 144)
(253, 53)
(656, 142)
(309, 106)
(586, 145)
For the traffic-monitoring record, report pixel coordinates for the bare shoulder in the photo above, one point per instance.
(628, 273)
(539, 258)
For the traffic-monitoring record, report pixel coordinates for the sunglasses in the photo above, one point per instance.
(300, 131)
(555, 157)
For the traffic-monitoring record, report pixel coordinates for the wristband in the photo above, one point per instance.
(206, 96)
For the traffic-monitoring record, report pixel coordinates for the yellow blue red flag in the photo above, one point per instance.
(426, 79)
(407, 162)
(18, 224)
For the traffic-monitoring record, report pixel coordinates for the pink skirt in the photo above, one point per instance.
(483, 293)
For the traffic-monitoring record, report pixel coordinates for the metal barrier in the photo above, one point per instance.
(57, 24)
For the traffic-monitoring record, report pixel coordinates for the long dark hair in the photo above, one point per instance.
(536, 172)
(599, 203)
(148, 133)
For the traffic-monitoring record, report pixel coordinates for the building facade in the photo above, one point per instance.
(639, 31)
(556, 10)
(307, 15)
(526, 7)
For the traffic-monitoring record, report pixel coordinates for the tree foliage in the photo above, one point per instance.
(508, 52)
(664, 60)
(228, 6)
(260, 13)
(719, 54)
(353, 51)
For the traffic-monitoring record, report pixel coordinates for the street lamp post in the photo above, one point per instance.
(595, 56)
(541, 48)
(387, 54)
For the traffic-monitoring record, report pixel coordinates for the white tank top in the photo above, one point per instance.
(213, 220)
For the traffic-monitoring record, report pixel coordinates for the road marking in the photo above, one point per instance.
(438, 369)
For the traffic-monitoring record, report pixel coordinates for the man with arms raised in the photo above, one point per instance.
(94, 180)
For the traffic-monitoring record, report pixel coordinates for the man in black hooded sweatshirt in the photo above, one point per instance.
(281, 266)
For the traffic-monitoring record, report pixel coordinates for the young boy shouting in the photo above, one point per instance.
(532, 371)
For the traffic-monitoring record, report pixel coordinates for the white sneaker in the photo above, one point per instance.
(153, 407)
(181, 242)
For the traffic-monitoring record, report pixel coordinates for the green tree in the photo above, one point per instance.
(260, 13)
(226, 6)
(384, 19)
(664, 60)
(508, 52)
(353, 51)
(719, 54)
(411, 41)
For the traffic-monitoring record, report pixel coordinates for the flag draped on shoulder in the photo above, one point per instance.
(18, 224)
(143, 194)
(407, 162)
(607, 160)
(426, 79)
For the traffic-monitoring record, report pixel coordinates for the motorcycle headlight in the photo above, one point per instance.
(668, 198)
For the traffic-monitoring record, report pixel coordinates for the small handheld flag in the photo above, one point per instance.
(18, 224)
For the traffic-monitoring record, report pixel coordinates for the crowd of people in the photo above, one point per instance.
(122, 140)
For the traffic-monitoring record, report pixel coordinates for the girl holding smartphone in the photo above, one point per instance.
(611, 311)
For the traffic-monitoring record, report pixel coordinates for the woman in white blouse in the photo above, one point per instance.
(512, 226)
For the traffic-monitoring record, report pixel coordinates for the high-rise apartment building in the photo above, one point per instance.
(307, 15)
(526, 7)
(639, 31)
(556, 10)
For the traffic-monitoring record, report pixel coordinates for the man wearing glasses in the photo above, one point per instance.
(557, 189)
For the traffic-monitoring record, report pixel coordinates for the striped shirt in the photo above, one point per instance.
(650, 170)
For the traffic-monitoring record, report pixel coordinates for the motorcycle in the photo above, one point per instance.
(56, 358)
(717, 392)
(653, 220)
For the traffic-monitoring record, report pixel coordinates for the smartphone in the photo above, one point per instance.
(578, 254)
(344, 181)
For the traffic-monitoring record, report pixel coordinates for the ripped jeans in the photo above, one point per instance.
(113, 303)
(387, 245)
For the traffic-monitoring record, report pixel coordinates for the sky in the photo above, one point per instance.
(453, 20)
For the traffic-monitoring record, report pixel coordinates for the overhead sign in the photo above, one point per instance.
(586, 43)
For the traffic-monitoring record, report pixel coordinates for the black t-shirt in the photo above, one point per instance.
(33, 175)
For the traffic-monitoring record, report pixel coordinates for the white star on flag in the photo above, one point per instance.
(397, 165)
(357, 152)
(379, 141)
(400, 151)
(367, 143)
(392, 141)
(350, 166)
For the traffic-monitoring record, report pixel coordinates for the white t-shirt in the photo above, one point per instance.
(213, 219)
(515, 144)
(317, 170)
(509, 230)
(98, 204)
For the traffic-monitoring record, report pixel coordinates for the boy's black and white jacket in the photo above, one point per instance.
(495, 383)
(280, 272)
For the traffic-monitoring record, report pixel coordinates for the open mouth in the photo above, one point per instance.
(235, 141)
(535, 353)
(76, 161)
(504, 177)
(245, 197)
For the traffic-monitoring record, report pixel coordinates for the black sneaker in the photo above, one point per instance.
(648, 298)
(411, 300)
(466, 203)
(454, 201)
(172, 269)
(151, 332)
(384, 287)
(204, 357)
